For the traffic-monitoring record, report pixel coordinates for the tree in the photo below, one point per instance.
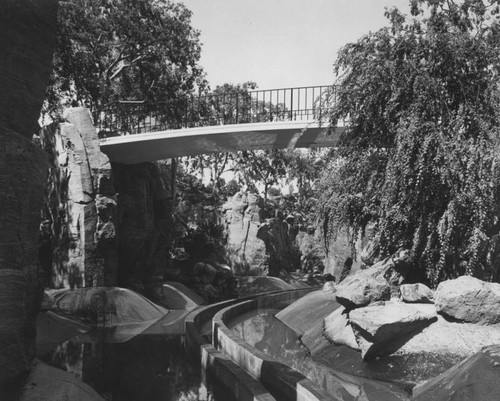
(110, 50)
(264, 167)
(420, 154)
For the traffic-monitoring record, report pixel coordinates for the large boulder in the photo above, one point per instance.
(476, 378)
(416, 293)
(363, 287)
(338, 329)
(469, 299)
(451, 340)
(384, 328)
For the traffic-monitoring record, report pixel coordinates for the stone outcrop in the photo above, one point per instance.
(81, 204)
(278, 236)
(476, 378)
(243, 215)
(469, 299)
(27, 34)
(416, 293)
(338, 329)
(363, 288)
(382, 329)
(451, 340)
(256, 244)
(144, 219)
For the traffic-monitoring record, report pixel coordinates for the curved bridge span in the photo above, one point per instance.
(137, 132)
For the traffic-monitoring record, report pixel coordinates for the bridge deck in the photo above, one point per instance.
(138, 148)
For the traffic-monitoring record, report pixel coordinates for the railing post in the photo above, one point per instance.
(237, 107)
(291, 104)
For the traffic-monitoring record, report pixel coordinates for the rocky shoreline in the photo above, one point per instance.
(449, 333)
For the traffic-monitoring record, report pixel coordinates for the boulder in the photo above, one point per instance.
(468, 299)
(362, 288)
(329, 286)
(451, 340)
(382, 329)
(205, 272)
(338, 330)
(416, 293)
(476, 378)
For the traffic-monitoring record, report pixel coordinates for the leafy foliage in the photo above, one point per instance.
(110, 50)
(420, 154)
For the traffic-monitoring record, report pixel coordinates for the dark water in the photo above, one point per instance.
(146, 368)
(266, 333)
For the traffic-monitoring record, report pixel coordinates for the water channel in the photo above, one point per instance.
(339, 369)
(157, 368)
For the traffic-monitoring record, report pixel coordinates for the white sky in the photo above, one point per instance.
(280, 43)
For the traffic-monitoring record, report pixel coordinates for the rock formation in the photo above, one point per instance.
(469, 299)
(144, 222)
(246, 252)
(27, 33)
(418, 293)
(362, 288)
(476, 378)
(383, 328)
(256, 244)
(81, 204)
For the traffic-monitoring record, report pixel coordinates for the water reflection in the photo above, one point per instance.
(152, 368)
(264, 332)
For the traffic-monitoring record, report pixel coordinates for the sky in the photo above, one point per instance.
(280, 43)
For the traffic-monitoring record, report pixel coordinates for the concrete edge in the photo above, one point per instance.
(282, 381)
(231, 376)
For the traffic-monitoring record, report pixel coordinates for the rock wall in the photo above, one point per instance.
(257, 245)
(337, 257)
(144, 221)
(106, 224)
(81, 203)
(27, 34)
(245, 252)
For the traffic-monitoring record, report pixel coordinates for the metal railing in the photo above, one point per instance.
(235, 107)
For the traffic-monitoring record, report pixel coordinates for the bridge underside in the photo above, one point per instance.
(133, 149)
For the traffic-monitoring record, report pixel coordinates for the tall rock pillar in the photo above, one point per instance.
(27, 34)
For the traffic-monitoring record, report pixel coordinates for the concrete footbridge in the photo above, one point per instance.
(136, 132)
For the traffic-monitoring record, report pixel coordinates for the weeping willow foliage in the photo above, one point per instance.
(420, 154)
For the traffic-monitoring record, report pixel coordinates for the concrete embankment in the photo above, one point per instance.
(245, 371)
